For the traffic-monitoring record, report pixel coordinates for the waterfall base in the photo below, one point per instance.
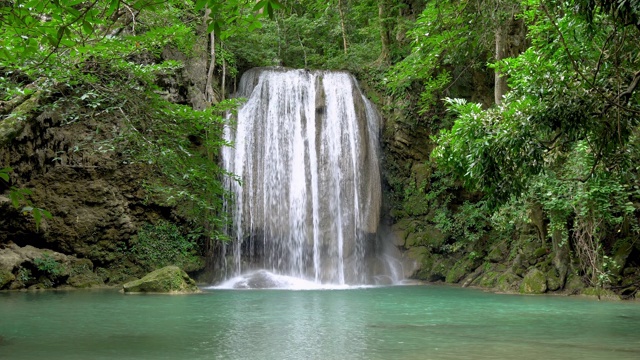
(263, 279)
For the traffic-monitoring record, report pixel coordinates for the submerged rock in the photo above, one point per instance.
(169, 279)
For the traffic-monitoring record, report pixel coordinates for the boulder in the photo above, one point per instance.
(22, 267)
(535, 282)
(6, 277)
(574, 285)
(508, 282)
(554, 282)
(169, 279)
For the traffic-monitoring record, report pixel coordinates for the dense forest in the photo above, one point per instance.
(510, 139)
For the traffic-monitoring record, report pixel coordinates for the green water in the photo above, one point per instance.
(415, 322)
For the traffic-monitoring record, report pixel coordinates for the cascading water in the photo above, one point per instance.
(308, 205)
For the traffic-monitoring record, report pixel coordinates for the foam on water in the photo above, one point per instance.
(263, 279)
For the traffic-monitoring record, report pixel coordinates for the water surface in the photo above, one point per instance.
(412, 322)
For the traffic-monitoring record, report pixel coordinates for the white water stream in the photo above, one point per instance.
(308, 205)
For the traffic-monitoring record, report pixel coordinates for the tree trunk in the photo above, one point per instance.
(384, 32)
(224, 73)
(500, 87)
(210, 95)
(344, 29)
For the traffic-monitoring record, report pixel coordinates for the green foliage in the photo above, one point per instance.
(111, 73)
(565, 137)
(47, 264)
(450, 40)
(164, 244)
(23, 275)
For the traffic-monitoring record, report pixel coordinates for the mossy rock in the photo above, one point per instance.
(553, 280)
(414, 239)
(434, 237)
(436, 272)
(421, 172)
(623, 250)
(419, 253)
(85, 280)
(497, 253)
(458, 271)
(541, 251)
(6, 277)
(517, 266)
(169, 279)
(600, 293)
(400, 231)
(488, 280)
(416, 204)
(574, 285)
(508, 282)
(535, 282)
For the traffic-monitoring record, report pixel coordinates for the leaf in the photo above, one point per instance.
(200, 5)
(4, 173)
(260, 5)
(276, 5)
(115, 4)
(15, 198)
(37, 216)
(60, 34)
(86, 26)
(270, 11)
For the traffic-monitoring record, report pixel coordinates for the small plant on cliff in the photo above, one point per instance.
(47, 264)
(23, 275)
(163, 244)
(19, 197)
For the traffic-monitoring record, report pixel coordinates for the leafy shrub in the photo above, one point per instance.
(47, 264)
(163, 244)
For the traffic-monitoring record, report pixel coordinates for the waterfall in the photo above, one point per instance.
(308, 201)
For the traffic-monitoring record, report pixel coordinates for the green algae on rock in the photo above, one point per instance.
(169, 279)
(535, 282)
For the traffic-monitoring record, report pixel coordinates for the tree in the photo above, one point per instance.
(566, 136)
(450, 38)
(105, 55)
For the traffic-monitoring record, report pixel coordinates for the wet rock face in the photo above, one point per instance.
(169, 279)
(30, 267)
(95, 212)
(94, 193)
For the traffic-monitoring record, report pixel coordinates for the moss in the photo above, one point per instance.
(6, 277)
(458, 271)
(85, 280)
(496, 254)
(414, 239)
(488, 279)
(553, 280)
(434, 237)
(574, 284)
(170, 279)
(14, 123)
(600, 293)
(535, 282)
(508, 282)
(541, 251)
